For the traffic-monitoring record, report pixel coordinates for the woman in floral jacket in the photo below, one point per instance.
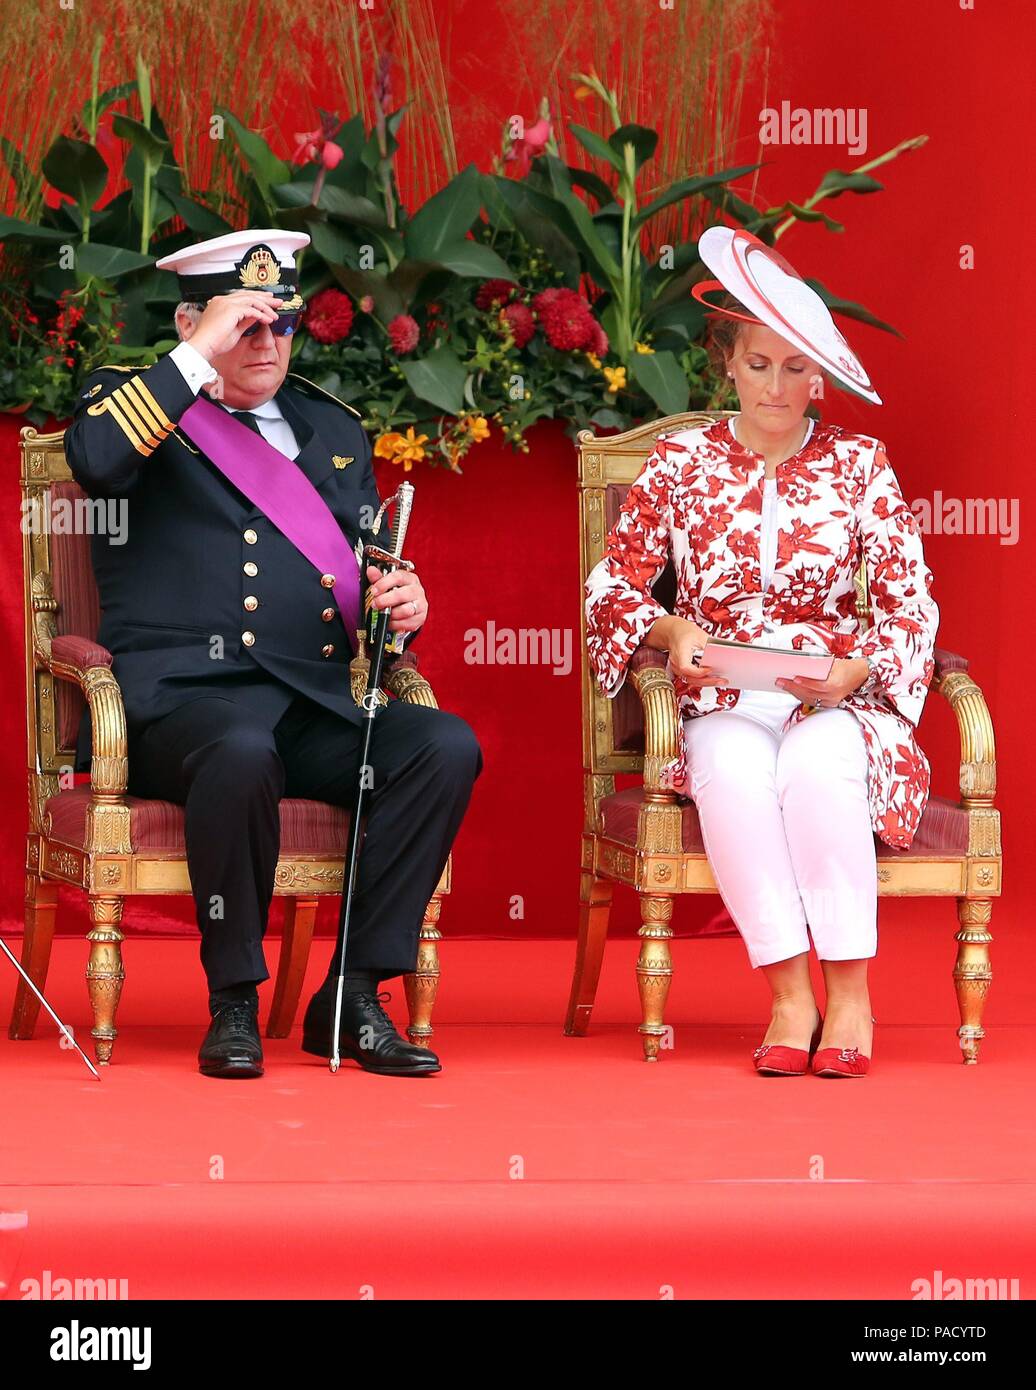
(766, 516)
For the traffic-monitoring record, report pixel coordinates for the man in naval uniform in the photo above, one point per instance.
(233, 655)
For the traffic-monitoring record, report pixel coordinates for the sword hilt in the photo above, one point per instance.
(391, 557)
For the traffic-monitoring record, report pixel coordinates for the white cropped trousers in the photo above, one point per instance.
(786, 827)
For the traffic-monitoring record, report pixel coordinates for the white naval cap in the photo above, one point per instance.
(258, 258)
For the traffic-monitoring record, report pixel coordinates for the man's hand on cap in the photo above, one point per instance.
(226, 316)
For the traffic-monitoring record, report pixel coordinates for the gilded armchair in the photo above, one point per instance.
(111, 845)
(648, 839)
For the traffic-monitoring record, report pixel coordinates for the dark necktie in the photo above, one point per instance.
(246, 418)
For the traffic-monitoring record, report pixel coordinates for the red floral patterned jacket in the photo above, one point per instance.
(699, 500)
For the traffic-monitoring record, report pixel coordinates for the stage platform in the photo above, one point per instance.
(534, 1166)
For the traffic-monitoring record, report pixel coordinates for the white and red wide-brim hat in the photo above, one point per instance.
(773, 293)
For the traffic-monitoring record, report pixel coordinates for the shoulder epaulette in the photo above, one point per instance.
(294, 376)
(133, 408)
(119, 367)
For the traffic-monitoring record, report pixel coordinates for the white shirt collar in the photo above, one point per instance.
(269, 410)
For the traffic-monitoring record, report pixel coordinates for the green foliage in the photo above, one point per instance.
(411, 276)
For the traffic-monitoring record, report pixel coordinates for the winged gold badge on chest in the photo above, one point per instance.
(339, 461)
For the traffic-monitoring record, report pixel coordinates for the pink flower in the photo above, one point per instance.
(318, 144)
(306, 147)
(524, 151)
(404, 334)
(367, 304)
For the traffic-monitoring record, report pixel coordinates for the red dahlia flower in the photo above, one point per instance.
(599, 343)
(404, 334)
(566, 318)
(329, 316)
(521, 323)
(500, 291)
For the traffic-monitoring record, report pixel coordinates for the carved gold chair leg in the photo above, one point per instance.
(104, 972)
(41, 901)
(300, 915)
(972, 973)
(654, 969)
(422, 984)
(595, 902)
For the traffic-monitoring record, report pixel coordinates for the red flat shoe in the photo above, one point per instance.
(845, 1061)
(775, 1059)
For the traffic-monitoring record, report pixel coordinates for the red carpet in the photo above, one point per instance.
(534, 1165)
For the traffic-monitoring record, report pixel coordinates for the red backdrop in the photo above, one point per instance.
(499, 544)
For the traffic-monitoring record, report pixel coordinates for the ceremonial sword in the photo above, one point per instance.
(386, 560)
(65, 1032)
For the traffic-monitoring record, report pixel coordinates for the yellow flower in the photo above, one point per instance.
(477, 426)
(643, 347)
(401, 448)
(582, 92)
(616, 378)
(594, 361)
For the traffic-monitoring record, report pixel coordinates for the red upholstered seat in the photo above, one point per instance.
(943, 828)
(307, 827)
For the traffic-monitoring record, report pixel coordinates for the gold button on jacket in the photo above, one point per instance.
(327, 614)
(248, 638)
(251, 603)
(251, 536)
(328, 581)
(329, 649)
(250, 568)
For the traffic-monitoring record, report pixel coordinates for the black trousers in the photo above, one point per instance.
(229, 770)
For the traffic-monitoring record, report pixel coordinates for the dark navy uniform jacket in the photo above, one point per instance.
(206, 596)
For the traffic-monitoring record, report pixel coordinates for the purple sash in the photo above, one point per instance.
(283, 493)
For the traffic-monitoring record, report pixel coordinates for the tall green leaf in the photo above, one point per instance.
(643, 140)
(259, 159)
(597, 145)
(76, 169)
(151, 147)
(445, 218)
(687, 188)
(836, 182)
(802, 214)
(662, 377)
(14, 229)
(438, 379)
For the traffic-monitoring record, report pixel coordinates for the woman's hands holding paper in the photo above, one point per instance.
(846, 676)
(682, 639)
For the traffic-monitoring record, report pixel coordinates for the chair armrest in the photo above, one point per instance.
(78, 654)
(945, 662)
(88, 665)
(406, 682)
(975, 725)
(647, 670)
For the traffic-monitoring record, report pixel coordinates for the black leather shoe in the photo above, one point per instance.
(366, 1034)
(232, 1046)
